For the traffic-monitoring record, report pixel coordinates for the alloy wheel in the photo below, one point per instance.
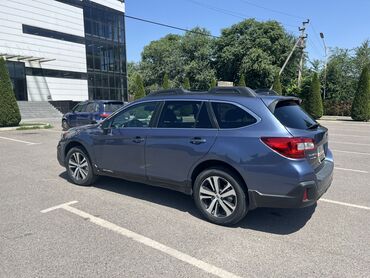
(218, 196)
(78, 166)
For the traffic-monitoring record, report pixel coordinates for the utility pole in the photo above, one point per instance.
(302, 46)
(326, 62)
(300, 42)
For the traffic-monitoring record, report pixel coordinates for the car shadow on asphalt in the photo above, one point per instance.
(268, 220)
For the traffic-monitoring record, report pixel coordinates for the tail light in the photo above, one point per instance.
(290, 147)
(104, 115)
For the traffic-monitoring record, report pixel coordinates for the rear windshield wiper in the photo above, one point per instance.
(313, 126)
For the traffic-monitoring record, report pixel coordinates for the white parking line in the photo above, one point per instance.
(146, 241)
(348, 143)
(344, 204)
(19, 141)
(351, 170)
(350, 152)
(347, 135)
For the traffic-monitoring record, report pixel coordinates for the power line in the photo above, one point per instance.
(231, 13)
(272, 10)
(316, 35)
(169, 26)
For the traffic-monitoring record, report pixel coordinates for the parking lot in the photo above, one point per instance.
(52, 228)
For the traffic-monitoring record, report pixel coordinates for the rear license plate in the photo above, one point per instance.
(320, 153)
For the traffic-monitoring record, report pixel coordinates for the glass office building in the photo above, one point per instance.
(65, 49)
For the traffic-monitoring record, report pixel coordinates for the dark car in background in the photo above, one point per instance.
(90, 112)
(232, 149)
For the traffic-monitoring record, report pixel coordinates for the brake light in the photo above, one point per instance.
(290, 147)
(104, 115)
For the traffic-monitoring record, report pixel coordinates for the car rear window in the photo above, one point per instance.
(231, 116)
(110, 107)
(290, 114)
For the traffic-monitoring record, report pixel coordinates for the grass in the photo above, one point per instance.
(34, 126)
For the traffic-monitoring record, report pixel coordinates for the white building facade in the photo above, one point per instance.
(64, 50)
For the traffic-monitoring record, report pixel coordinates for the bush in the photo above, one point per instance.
(337, 107)
(9, 110)
(361, 103)
(313, 102)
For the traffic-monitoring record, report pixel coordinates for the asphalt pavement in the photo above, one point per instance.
(123, 229)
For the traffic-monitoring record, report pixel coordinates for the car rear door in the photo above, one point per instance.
(84, 116)
(183, 136)
(74, 115)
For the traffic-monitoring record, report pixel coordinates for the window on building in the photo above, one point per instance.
(17, 73)
(105, 52)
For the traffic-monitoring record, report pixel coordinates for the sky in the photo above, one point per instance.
(345, 24)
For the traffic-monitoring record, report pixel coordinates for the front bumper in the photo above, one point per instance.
(60, 153)
(294, 199)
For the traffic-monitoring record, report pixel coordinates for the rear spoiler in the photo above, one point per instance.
(272, 105)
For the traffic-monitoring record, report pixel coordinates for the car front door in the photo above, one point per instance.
(183, 136)
(73, 116)
(122, 144)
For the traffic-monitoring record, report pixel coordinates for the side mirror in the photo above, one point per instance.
(105, 126)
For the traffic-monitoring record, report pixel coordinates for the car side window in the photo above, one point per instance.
(78, 107)
(138, 115)
(231, 116)
(203, 120)
(90, 107)
(179, 114)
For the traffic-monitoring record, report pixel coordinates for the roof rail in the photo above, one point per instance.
(266, 92)
(243, 91)
(176, 91)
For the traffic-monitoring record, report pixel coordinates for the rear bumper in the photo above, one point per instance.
(294, 199)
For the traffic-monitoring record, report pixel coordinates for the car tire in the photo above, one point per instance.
(65, 125)
(219, 195)
(79, 167)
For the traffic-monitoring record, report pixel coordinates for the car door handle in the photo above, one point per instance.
(198, 141)
(138, 139)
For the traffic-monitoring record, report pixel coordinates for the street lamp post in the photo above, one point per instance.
(326, 62)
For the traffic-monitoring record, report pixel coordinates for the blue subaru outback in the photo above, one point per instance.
(232, 149)
(89, 112)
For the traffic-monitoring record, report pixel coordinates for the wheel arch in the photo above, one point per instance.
(217, 163)
(74, 144)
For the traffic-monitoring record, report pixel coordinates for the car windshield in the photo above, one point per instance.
(110, 107)
(290, 114)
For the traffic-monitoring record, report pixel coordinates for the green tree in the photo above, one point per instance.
(313, 102)
(186, 84)
(361, 103)
(196, 53)
(160, 57)
(166, 82)
(341, 75)
(190, 55)
(132, 70)
(139, 87)
(9, 110)
(256, 50)
(277, 84)
(242, 81)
